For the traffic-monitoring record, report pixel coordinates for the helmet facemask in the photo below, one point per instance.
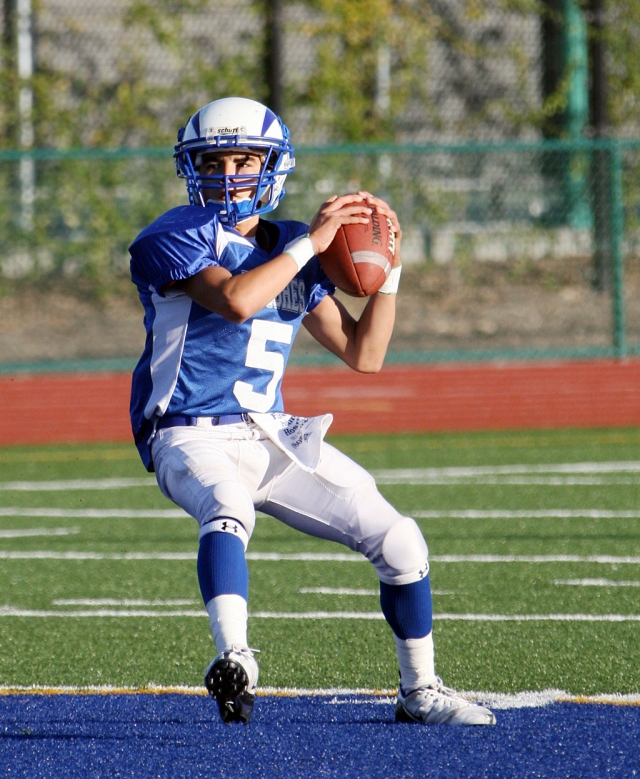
(267, 186)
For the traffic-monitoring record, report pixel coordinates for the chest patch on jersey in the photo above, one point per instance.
(292, 298)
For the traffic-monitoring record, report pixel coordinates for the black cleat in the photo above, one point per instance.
(231, 679)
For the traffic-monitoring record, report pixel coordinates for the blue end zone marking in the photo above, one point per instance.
(180, 735)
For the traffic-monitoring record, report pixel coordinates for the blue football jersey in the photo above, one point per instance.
(196, 362)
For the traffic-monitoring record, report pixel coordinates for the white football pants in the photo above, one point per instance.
(231, 471)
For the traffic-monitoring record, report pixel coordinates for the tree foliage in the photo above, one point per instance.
(381, 71)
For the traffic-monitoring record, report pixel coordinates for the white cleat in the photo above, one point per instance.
(231, 679)
(439, 705)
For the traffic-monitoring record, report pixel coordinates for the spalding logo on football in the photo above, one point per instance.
(360, 256)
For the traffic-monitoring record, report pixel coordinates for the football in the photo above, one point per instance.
(360, 257)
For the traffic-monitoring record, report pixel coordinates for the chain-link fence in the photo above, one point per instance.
(475, 118)
(503, 243)
(129, 72)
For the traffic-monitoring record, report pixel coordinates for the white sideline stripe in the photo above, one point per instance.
(11, 611)
(76, 484)
(497, 700)
(16, 511)
(594, 583)
(39, 531)
(529, 700)
(406, 475)
(317, 557)
(528, 514)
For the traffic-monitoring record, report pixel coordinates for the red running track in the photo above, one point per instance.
(78, 408)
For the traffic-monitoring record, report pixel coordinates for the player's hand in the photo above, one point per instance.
(336, 211)
(382, 207)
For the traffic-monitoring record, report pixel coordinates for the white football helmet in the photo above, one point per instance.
(229, 124)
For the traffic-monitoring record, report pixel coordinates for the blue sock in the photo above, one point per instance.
(407, 608)
(222, 567)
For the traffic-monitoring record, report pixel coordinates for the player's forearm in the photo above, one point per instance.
(247, 293)
(367, 344)
(239, 297)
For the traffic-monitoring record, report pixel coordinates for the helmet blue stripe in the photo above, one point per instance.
(269, 119)
(195, 121)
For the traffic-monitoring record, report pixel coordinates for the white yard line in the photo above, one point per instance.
(126, 602)
(367, 615)
(541, 481)
(426, 475)
(335, 591)
(594, 583)
(316, 557)
(349, 591)
(538, 617)
(11, 611)
(388, 476)
(17, 511)
(39, 531)
(336, 557)
(76, 484)
(566, 558)
(527, 514)
(48, 555)
(374, 615)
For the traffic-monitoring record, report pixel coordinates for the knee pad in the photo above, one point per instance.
(404, 554)
(229, 510)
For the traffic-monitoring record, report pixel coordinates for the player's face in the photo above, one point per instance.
(231, 163)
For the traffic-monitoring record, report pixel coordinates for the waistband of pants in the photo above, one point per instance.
(182, 420)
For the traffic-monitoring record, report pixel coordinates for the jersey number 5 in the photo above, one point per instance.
(258, 356)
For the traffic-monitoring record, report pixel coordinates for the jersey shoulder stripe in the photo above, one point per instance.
(175, 246)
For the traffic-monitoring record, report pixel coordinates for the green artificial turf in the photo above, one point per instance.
(580, 657)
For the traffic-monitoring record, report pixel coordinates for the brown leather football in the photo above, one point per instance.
(360, 257)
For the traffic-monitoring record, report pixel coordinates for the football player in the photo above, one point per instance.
(224, 293)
